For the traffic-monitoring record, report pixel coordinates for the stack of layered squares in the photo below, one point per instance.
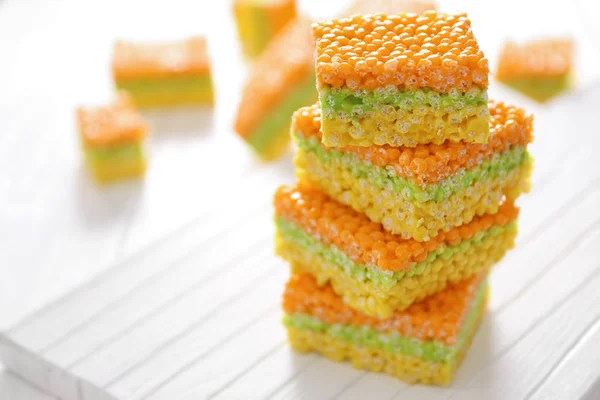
(407, 178)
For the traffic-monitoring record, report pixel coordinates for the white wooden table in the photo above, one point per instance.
(58, 230)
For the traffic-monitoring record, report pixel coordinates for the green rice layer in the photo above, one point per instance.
(387, 179)
(383, 279)
(121, 152)
(392, 341)
(277, 121)
(357, 102)
(540, 88)
(198, 83)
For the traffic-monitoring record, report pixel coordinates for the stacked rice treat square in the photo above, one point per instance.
(408, 176)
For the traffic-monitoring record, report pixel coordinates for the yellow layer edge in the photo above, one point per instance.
(405, 368)
(108, 173)
(380, 130)
(174, 98)
(375, 301)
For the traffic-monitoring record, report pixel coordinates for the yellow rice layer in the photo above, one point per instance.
(406, 368)
(110, 172)
(376, 300)
(386, 127)
(410, 219)
(175, 98)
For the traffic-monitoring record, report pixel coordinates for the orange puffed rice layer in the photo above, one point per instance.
(430, 50)
(136, 60)
(112, 124)
(537, 59)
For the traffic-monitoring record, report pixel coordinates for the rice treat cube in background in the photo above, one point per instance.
(112, 139)
(164, 74)
(280, 81)
(374, 271)
(422, 344)
(422, 191)
(389, 6)
(259, 21)
(540, 69)
(401, 80)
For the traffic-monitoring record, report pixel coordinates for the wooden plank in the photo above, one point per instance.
(157, 291)
(322, 380)
(280, 368)
(525, 264)
(195, 363)
(377, 386)
(13, 388)
(533, 357)
(209, 338)
(189, 310)
(250, 347)
(576, 374)
(92, 298)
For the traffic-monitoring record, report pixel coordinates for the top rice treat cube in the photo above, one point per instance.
(401, 80)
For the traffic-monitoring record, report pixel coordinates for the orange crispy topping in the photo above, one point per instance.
(431, 163)
(279, 13)
(286, 61)
(536, 59)
(158, 60)
(389, 6)
(438, 317)
(364, 241)
(410, 51)
(115, 123)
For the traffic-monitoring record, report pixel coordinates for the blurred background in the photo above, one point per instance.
(58, 229)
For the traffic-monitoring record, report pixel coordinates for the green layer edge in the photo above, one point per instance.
(357, 102)
(277, 121)
(540, 89)
(116, 153)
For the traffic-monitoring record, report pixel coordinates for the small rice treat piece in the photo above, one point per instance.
(112, 138)
(540, 69)
(259, 21)
(374, 271)
(401, 80)
(419, 192)
(281, 81)
(422, 344)
(164, 74)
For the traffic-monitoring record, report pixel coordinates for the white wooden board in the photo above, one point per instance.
(168, 289)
